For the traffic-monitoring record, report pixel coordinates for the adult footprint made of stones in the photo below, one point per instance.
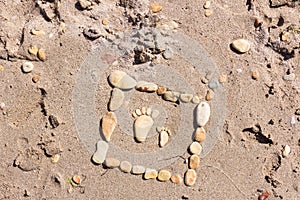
(142, 124)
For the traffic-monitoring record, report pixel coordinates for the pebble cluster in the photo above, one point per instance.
(144, 120)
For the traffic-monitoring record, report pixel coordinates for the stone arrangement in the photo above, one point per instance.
(144, 120)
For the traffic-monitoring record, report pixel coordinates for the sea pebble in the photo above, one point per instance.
(112, 162)
(186, 98)
(207, 4)
(297, 112)
(109, 123)
(144, 86)
(33, 50)
(138, 112)
(213, 84)
(144, 110)
(155, 7)
(76, 179)
(195, 148)
(293, 120)
(37, 32)
(200, 134)
(84, 4)
(100, 154)
(223, 78)
(203, 79)
(289, 77)
(163, 138)
(125, 166)
(148, 111)
(36, 79)
(164, 175)
(27, 67)
(55, 158)
(171, 96)
(203, 113)
(116, 99)
(196, 99)
(161, 90)
(208, 12)
(105, 21)
(138, 169)
(190, 177)
(241, 45)
(168, 54)
(194, 161)
(286, 151)
(255, 74)
(121, 80)
(41, 54)
(209, 95)
(150, 174)
(142, 126)
(177, 179)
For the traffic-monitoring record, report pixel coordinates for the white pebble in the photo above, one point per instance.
(121, 80)
(100, 154)
(195, 148)
(202, 113)
(241, 45)
(27, 67)
(286, 150)
(2, 105)
(293, 120)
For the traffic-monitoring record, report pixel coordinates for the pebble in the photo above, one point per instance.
(55, 158)
(116, 99)
(196, 99)
(255, 74)
(164, 175)
(213, 84)
(121, 80)
(190, 177)
(2, 105)
(27, 67)
(194, 162)
(209, 95)
(167, 54)
(138, 169)
(241, 45)
(41, 54)
(112, 162)
(171, 96)
(1, 67)
(37, 32)
(33, 50)
(297, 112)
(286, 151)
(293, 120)
(223, 78)
(35, 79)
(105, 21)
(100, 154)
(155, 7)
(84, 4)
(208, 12)
(203, 80)
(125, 166)
(144, 86)
(195, 148)
(150, 174)
(142, 126)
(200, 134)
(144, 110)
(161, 90)
(285, 36)
(138, 112)
(289, 77)
(203, 113)
(76, 179)
(186, 98)
(148, 111)
(177, 179)
(207, 4)
(109, 123)
(163, 138)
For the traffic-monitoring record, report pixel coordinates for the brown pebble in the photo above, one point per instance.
(155, 7)
(177, 179)
(208, 12)
(164, 175)
(55, 158)
(190, 177)
(35, 79)
(76, 179)
(255, 74)
(161, 90)
(209, 95)
(33, 50)
(200, 134)
(257, 23)
(105, 21)
(194, 161)
(223, 78)
(42, 54)
(264, 195)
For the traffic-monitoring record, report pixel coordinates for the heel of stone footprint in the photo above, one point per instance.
(142, 124)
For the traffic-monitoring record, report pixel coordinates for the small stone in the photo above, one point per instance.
(163, 138)
(125, 166)
(150, 174)
(209, 95)
(27, 67)
(35, 79)
(255, 74)
(144, 86)
(116, 99)
(109, 123)
(121, 80)
(149, 111)
(289, 77)
(286, 151)
(168, 26)
(142, 126)
(84, 4)
(207, 4)
(138, 169)
(200, 134)
(2, 105)
(223, 78)
(37, 32)
(55, 158)
(190, 177)
(112, 162)
(203, 79)
(171, 96)
(195, 148)
(144, 110)
(105, 21)
(203, 113)
(164, 175)
(33, 50)
(194, 161)
(177, 179)
(161, 90)
(297, 112)
(186, 98)
(42, 54)
(76, 179)
(100, 154)
(241, 45)
(285, 36)
(196, 99)
(54, 121)
(213, 84)
(155, 114)
(167, 54)
(208, 12)
(138, 112)
(1, 67)
(155, 7)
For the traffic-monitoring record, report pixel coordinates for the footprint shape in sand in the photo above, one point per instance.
(142, 123)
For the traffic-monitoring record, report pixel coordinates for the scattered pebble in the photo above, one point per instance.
(170, 25)
(155, 7)
(150, 174)
(76, 179)
(164, 175)
(203, 113)
(209, 95)
(286, 151)
(213, 84)
(285, 36)
(55, 158)
(241, 45)
(35, 79)
(185, 98)
(194, 162)
(297, 112)
(208, 12)
(33, 50)
(84, 4)
(125, 166)
(190, 177)
(177, 179)
(171, 96)
(148, 111)
(200, 134)
(207, 4)
(195, 148)
(105, 21)
(144, 110)
(255, 74)
(293, 120)
(167, 54)
(2, 105)
(27, 67)
(289, 77)
(142, 126)
(161, 90)
(138, 169)
(101, 151)
(264, 195)
(121, 80)
(163, 138)
(239, 70)
(223, 78)
(116, 99)
(112, 162)
(37, 32)
(144, 86)
(109, 123)
(41, 54)
(196, 99)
